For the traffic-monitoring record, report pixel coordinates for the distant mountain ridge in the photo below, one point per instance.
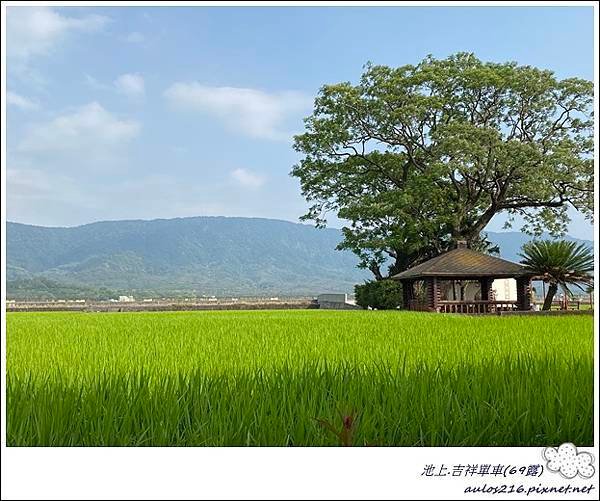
(200, 255)
(208, 255)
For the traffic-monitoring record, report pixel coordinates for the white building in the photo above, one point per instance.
(505, 289)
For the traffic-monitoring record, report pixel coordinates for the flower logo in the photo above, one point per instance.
(568, 462)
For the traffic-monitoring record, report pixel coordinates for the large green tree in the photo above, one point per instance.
(420, 156)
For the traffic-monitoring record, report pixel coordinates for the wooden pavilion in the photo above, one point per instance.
(432, 285)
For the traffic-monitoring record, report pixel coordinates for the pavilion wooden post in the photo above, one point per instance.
(523, 293)
(407, 293)
(485, 285)
(433, 294)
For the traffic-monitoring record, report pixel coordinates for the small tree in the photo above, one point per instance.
(379, 294)
(558, 263)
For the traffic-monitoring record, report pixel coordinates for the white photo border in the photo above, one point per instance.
(266, 473)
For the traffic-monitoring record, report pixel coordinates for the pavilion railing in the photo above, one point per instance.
(418, 305)
(476, 306)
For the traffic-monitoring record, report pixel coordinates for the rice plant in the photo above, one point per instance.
(298, 378)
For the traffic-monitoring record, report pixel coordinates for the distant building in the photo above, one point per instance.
(505, 289)
(335, 302)
(332, 298)
(126, 299)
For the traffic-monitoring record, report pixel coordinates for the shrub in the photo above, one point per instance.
(380, 294)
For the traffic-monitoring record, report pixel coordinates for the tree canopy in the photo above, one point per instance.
(421, 156)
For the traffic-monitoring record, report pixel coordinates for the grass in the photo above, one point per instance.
(284, 378)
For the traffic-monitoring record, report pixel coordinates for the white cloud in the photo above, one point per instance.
(30, 184)
(33, 31)
(90, 129)
(253, 112)
(94, 83)
(49, 197)
(130, 84)
(247, 178)
(135, 37)
(35, 196)
(20, 101)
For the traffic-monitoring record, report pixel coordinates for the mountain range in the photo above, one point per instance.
(187, 256)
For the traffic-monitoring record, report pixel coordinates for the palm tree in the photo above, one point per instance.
(590, 292)
(558, 263)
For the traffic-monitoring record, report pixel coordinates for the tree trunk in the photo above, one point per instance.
(374, 268)
(548, 301)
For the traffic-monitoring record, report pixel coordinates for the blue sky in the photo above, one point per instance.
(140, 112)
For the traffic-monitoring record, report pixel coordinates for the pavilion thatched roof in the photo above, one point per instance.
(463, 263)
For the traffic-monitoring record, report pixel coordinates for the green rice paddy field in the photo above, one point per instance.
(281, 378)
